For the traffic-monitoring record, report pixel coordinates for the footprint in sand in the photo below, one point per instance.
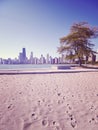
(56, 125)
(9, 106)
(59, 94)
(44, 122)
(60, 102)
(94, 119)
(73, 124)
(34, 116)
(73, 121)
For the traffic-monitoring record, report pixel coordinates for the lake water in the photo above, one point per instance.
(24, 66)
(27, 66)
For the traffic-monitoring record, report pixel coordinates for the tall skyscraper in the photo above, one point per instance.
(24, 54)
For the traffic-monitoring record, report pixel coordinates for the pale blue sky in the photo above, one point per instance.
(37, 25)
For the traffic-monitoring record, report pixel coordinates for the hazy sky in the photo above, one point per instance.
(38, 25)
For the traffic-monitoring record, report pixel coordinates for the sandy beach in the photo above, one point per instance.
(58, 101)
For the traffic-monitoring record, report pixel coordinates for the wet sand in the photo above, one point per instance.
(58, 101)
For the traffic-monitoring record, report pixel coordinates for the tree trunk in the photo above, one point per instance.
(80, 62)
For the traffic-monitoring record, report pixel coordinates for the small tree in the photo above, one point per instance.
(77, 44)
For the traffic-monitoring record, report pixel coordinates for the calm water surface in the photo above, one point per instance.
(28, 66)
(24, 66)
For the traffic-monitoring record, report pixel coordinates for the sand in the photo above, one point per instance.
(58, 101)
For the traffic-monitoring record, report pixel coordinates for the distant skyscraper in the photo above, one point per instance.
(31, 58)
(47, 59)
(24, 54)
(20, 58)
(51, 60)
(42, 59)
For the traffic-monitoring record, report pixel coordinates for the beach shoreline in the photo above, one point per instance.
(47, 71)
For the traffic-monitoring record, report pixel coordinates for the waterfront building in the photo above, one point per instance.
(60, 60)
(63, 58)
(55, 60)
(9, 61)
(97, 55)
(93, 58)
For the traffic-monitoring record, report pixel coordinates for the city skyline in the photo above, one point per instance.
(22, 58)
(29, 54)
(48, 59)
(39, 24)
